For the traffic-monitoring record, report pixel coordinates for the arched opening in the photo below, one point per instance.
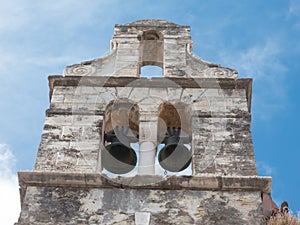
(174, 137)
(151, 71)
(120, 133)
(151, 50)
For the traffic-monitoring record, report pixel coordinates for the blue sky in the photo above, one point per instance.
(260, 39)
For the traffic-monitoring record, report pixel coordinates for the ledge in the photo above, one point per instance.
(94, 180)
(224, 83)
(196, 113)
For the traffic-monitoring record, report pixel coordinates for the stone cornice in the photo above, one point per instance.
(97, 180)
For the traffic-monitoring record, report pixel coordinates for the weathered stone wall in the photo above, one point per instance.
(220, 124)
(126, 58)
(223, 146)
(69, 143)
(73, 206)
(68, 185)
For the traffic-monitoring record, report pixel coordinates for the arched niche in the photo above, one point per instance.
(174, 118)
(121, 119)
(174, 137)
(151, 50)
(121, 130)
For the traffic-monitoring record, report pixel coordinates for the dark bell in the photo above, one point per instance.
(174, 157)
(118, 158)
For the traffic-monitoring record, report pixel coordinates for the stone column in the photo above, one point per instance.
(148, 144)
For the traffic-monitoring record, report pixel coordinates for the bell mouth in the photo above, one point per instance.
(117, 158)
(174, 157)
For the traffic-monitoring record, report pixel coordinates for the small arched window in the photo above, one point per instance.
(151, 50)
(151, 71)
(121, 131)
(174, 137)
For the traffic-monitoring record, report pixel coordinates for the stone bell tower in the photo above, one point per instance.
(118, 148)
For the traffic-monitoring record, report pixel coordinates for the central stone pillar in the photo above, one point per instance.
(148, 144)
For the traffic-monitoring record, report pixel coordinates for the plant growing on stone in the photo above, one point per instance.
(284, 219)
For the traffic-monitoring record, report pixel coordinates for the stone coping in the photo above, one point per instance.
(97, 180)
(151, 23)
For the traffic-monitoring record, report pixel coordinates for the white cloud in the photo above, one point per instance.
(26, 28)
(18, 14)
(294, 13)
(13, 15)
(9, 190)
(294, 8)
(259, 61)
(263, 63)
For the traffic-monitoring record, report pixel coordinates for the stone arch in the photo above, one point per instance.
(151, 49)
(121, 118)
(121, 127)
(174, 137)
(174, 116)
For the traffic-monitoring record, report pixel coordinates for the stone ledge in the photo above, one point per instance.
(196, 113)
(94, 180)
(93, 81)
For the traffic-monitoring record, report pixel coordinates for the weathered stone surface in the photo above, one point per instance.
(69, 143)
(223, 146)
(150, 43)
(58, 205)
(101, 101)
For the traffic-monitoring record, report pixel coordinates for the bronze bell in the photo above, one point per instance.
(118, 158)
(174, 157)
